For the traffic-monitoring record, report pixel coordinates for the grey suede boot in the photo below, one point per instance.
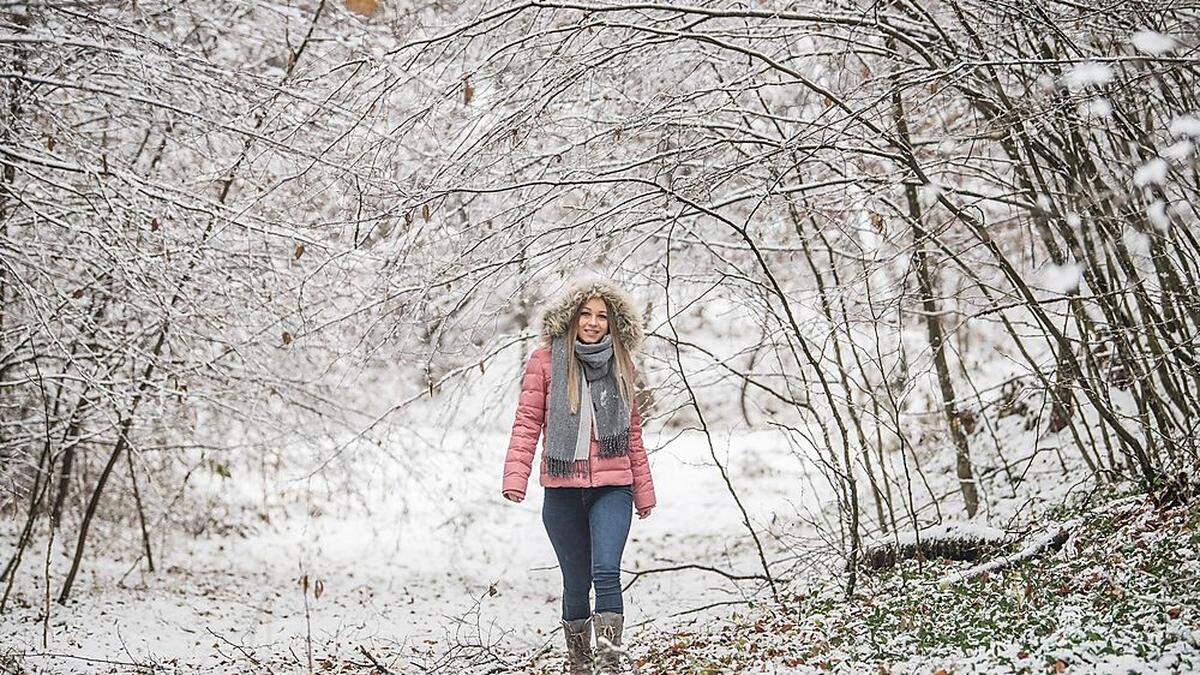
(579, 645)
(608, 626)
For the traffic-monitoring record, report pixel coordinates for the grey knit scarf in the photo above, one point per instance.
(610, 412)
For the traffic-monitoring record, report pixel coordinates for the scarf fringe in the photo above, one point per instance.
(615, 446)
(578, 468)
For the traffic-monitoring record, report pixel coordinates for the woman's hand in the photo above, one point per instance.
(642, 513)
(514, 496)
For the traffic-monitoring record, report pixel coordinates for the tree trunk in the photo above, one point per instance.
(933, 326)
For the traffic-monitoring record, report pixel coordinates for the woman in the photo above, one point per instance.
(578, 389)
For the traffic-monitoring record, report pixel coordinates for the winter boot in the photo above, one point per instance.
(579, 645)
(608, 629)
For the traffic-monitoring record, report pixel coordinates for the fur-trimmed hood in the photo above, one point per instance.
(623, 320)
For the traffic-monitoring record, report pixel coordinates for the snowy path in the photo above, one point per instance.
(400, 577)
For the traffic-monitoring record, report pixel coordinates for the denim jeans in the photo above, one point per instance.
(588, 527)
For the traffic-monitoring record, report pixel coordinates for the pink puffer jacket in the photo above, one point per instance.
(530, 423)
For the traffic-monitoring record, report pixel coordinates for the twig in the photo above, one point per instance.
(637, 574)
(378, 665)
(710, 606)
(307, 617)
(240, 648)
(89, 659)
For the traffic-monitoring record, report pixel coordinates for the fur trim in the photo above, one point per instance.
(624, 320)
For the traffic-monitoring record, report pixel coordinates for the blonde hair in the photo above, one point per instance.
(623, 361)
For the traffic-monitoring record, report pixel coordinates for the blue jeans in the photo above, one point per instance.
(588, 527)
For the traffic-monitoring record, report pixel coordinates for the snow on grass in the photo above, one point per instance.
(1121, 597)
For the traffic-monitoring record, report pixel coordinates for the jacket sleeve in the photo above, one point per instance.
(527, 427)
(643, 484)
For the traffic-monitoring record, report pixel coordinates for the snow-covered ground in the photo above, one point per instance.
(424, 567)
(439, 559)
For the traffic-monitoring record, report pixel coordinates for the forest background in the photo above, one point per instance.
(919, 280)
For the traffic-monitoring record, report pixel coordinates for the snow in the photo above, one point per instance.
(1138, 243)
(1179, 151)
(1152, 42)
(1186, 125)
(955, 530)
(1072, 622)
(413, 568)
(1153, 172)
(1095, 109)
(1088, 74)
(999, 562)
(1157, 213)
(929, 193)
(1061, 278)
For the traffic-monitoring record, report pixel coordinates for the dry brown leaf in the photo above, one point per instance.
(362, 7)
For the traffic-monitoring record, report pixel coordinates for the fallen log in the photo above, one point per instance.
(948, 541)
(1052, 540)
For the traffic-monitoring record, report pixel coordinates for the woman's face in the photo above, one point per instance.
(593, 321)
